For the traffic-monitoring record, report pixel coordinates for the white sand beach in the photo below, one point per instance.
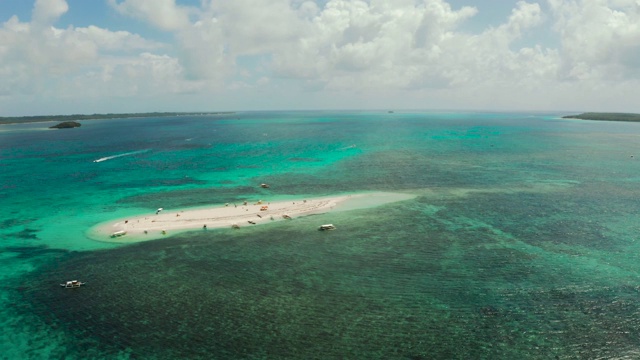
(167, 222)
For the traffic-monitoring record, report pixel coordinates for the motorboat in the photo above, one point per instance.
(72, 284)
(327, 227)
(264, 186)
(118, 233)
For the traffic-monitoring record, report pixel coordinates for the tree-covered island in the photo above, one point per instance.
(66, 125)
(75, 117)
(606, 116)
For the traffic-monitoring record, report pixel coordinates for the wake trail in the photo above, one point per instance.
(120, 155)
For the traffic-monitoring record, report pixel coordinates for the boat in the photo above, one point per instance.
(264, 186)
(286, 216)
(72, 284)
(327, 227)
(118, 233)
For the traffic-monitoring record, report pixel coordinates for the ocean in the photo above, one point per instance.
(521, 241)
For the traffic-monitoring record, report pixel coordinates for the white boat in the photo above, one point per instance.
(327, 227)
(118, 233)
(72, 284)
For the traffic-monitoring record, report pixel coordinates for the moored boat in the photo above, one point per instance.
(72, 284)
(118, 233)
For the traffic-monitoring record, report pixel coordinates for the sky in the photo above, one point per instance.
(116, 56)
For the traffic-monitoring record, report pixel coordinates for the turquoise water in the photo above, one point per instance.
(521, 242)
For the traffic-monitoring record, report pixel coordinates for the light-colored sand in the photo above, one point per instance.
(171, 221)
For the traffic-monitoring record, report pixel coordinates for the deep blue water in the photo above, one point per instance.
(521, 242)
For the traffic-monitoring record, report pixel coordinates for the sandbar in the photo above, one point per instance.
(159, 224)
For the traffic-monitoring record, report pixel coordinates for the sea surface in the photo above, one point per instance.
(522, 241)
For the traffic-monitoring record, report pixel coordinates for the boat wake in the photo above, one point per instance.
(120, 155)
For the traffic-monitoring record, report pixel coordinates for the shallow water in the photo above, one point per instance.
(521, 242)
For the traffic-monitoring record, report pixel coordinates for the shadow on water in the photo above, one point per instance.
(33, 252)
(394, 282)
(26, 234)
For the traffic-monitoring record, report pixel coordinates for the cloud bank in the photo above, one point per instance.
(255, 54)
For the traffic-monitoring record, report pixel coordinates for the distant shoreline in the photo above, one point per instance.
(75, 117)
(629, 117)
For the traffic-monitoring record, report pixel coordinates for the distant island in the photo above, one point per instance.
(63, 118)
(606, 116)
(66, 125)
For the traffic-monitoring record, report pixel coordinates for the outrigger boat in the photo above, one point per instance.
(327, 227)
(118, 233)
(72, 284)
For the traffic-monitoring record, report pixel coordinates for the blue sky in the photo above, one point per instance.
(87, 56)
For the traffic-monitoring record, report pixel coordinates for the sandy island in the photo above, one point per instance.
(158, 224)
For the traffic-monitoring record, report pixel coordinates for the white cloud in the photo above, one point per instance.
(107, 40)
(418, 53)
(600, 39)
(164, 14)
(203, 51)
(404, 45)
(47, 11)
(257, 26)
(36, 59)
